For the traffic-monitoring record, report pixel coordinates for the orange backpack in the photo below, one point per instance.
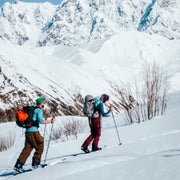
(24, 117)
(21, 115)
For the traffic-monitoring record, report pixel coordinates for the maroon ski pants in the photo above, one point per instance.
(95, 132)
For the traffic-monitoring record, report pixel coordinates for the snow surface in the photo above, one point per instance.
(150, 150)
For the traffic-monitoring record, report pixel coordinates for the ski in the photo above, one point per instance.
(17, 172)
(14, 173)
(28, 170)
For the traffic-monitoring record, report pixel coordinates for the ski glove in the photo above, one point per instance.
(110, 107)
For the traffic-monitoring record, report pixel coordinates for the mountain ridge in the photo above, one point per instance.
(64, 75)
(75, 22)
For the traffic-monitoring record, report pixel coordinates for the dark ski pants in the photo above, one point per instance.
(95, 133)
(33, 140)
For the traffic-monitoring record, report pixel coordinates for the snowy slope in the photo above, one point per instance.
(150, 150)
(104, 53)
(62, 74)
(22, 83)
(75, 22)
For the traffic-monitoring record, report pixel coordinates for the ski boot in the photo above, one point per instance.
(94, 148)
(19, 167)
(84, 147)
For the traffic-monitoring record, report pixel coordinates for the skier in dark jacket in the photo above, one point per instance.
(95, 126)
(33, 139)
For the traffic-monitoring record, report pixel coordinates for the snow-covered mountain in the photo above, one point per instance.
(83, 47)
(75, 22)
(17, 88)
(66, 74)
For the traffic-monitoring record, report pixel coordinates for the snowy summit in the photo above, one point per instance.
(75, 22)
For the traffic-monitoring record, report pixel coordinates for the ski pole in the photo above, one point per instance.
(50, 135)
(44, 131)
(116, 128)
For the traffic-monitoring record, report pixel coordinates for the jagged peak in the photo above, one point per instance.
(75, 22)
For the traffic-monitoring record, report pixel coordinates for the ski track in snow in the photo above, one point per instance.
(150, 137)
(105, 157)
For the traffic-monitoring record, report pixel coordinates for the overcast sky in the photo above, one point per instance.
(34, 1)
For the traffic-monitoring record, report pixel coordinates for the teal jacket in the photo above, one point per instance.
(100, 108)
(38, 115)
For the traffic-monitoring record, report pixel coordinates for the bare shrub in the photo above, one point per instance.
(2, 115)
(6, 142)
(127, 102)
(57, 134)
(11, 114)
(141, 104)
(72, 127)
(7, 115)
(156, 88)
(69, 128)
(3, 146)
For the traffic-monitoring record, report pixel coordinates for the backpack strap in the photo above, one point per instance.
(97, 101)
(36, 122)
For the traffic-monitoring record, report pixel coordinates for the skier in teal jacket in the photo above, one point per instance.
(33, 139)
